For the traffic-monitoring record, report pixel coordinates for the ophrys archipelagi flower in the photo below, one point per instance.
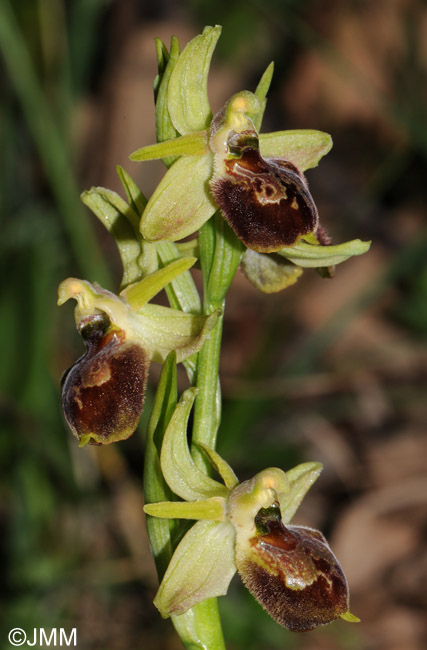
(103, 392)
(290, 570)
(223, 162)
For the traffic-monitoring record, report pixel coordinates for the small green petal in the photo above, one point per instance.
(269, 273)
(301, 478)
(222, 467)
(139, 293)
(178, 467)
(261, 93)
(165, 329)
(313, 256)
(212, 509)
(304, 148)
(201, 567)
(188, 100)
(181, 202)
(193, 144)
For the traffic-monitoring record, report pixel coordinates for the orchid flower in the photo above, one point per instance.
(223, 162)
(103, 392)
(244, 527)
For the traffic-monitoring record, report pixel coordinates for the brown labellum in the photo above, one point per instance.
(103, 392)
(293, 574)
(266, 202)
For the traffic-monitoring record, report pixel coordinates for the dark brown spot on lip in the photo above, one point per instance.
(103, 392)
(266, 202)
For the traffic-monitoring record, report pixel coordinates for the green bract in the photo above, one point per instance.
(219, 161)
(243, 527)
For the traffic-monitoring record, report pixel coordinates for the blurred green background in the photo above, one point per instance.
(330, 370)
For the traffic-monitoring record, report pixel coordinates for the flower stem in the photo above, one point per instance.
(207, 411)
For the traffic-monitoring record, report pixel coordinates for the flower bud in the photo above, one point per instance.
(103, 392)
(292, 573)
(265, 201)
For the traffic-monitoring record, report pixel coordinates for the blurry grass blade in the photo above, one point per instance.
(51, 146)
(304, 148)
(188, 100)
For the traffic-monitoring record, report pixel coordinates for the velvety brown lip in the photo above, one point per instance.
(103, 392)
(266, 202)
(294, 575)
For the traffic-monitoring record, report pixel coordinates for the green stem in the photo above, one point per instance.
(207, 411)
(220, 254)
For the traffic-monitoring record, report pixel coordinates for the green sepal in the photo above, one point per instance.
(201, 567)
(179, 470)
(222, 467)
(304, 148)
(193, 144)
(213, 509)
(261, 93)
(165, 130)
(166, 329)
(139, 293)
(313, 256)
(300, 478)
(155, 488)
(269, 273)
(121, 222)
(181, 203)
(188, 100)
